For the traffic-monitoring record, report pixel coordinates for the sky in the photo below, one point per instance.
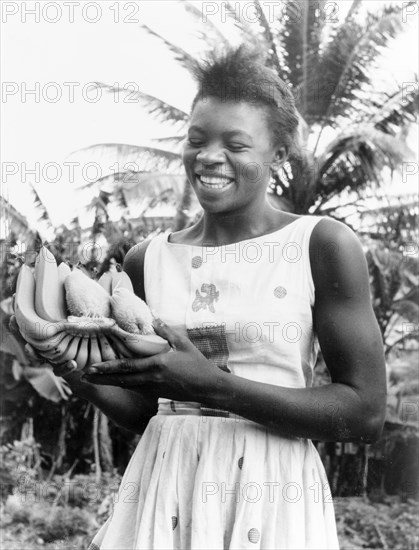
(57, 52)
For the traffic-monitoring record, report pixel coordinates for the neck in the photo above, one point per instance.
(230, 227)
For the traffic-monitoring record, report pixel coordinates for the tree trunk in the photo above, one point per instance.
(365, 471)
(96, 446)
(105, 444)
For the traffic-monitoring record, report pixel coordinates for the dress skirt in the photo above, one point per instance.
(203, 482)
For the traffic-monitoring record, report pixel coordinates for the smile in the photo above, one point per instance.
(214, 182)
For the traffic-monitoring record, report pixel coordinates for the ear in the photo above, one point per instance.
(280, 157)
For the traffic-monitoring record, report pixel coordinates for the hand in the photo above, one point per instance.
(182, 373)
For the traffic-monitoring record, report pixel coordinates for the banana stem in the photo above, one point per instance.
(96, 450)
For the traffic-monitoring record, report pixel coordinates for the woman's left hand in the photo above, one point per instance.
(182, 374)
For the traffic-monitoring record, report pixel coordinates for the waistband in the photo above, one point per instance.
(168, 407)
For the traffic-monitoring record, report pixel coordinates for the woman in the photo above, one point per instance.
(244, 296)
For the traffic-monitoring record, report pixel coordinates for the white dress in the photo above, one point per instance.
(207, 479)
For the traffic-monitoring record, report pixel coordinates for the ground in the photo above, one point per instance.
(64, 515)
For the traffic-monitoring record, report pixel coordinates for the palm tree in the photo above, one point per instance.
(330, 66)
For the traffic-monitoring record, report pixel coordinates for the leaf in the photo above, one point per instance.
(355, 159)
(47, 384)
(180, 55)
(154, 106)
(300, 39)
(120, 157)
(346, 63)
(407, 309)
(397, 110)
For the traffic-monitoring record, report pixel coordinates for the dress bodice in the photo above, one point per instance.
(247, 306)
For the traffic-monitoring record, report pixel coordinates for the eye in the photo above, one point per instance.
(194, 142)
(237, 146)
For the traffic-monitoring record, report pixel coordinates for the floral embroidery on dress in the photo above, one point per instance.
(204, 302)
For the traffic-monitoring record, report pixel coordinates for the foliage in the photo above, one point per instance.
(331, 64)
(388, 524)
(45, 523)
(394, 284)
(39, 520)
(350, 131)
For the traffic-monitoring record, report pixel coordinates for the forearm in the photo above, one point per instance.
(334, 412)
(130, 410)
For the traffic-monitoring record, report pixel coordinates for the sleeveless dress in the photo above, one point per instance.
(202, 478)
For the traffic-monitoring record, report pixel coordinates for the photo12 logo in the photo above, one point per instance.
(252, 12)
(70, 12)
(69, 92)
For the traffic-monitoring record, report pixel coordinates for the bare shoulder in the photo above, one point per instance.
(337, 260)
(134, 266)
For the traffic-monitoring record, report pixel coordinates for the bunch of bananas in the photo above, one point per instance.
(64, 315)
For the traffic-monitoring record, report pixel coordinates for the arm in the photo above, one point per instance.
(352, 407)
(129, 409)
(124, 407)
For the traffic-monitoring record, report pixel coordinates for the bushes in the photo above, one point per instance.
(51, 523)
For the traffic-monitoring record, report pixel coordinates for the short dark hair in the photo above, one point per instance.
(240, 75)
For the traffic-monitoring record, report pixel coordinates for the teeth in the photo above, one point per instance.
(214, 181)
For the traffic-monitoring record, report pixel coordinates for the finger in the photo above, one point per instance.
(65, 368)
(175, 338)
(127, 365)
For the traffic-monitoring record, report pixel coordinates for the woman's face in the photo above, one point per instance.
(228, 153)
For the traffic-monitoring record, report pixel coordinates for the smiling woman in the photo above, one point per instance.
(225, 166)
(245, 298)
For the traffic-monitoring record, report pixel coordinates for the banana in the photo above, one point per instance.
(30, 324)
(57, 354)
(49, 294)
(105, 281)
(48, 344)
(94, 351)
(120, 279)
(130, 312)
(63, 270)
(86, 297)
(87, 326)
(82, 356)
(106, 351)
(138, 344)
(120, 349)
(72, 349)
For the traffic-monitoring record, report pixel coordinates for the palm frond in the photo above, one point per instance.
(355, 160)
(210, 33)
(40, 206)
(345, 65)
(270, 40)
(162, 111)
(395, 222)
(143, 191)
(400, 109)
(134, 158)
(249, 30)
(300, 40)
(173, 140)
(180, 55)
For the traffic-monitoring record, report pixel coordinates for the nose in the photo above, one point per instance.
(211, 155)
